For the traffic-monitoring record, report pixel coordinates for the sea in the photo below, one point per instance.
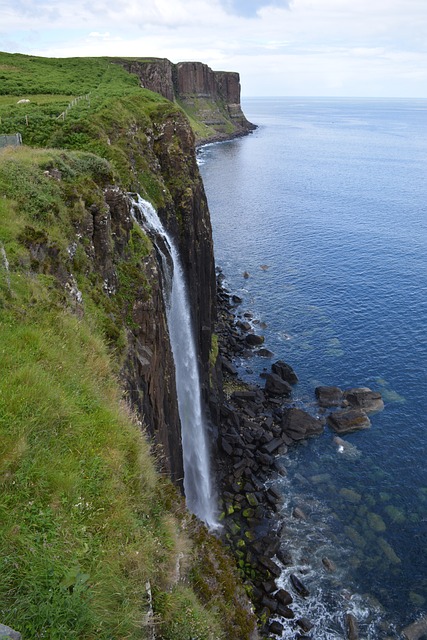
(324, 209)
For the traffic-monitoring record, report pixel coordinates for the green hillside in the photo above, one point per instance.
(91, 533)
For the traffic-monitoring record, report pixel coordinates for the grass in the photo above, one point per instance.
(86, 519)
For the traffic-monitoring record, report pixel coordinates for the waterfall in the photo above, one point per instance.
(198, 490)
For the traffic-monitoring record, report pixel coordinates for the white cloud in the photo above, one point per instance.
(368, 47)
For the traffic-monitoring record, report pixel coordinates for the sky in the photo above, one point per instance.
(366, 48)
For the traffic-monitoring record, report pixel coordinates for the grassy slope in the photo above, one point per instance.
(85, 519)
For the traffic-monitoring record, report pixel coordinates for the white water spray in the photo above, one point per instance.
(197, 477)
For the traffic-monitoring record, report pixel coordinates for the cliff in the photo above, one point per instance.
(209, 98)
(97, 539)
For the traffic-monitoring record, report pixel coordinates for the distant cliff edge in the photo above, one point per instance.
(212, 98)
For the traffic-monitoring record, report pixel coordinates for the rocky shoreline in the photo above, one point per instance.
(256, 427)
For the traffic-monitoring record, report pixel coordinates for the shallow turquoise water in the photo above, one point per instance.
(331, 196)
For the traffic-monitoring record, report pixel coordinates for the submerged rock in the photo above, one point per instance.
(349, 420)
(416, 630)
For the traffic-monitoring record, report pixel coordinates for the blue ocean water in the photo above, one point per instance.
(325, 205)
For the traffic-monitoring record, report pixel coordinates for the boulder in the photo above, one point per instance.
(299, 424)
(285, 612)
(329, 396)
(349, 420)
(276, 386)
(264, 353)
(300, 589)
(284, 371)
(351, 627)
(228, 367)
(284, 597)
(253, 340)
(305, 624)
(8, 633)
(276, 628)
(363, 398)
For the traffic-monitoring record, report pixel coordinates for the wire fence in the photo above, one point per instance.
(72, 104)
(12, 139)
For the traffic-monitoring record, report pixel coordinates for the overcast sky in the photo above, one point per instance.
(279, 47)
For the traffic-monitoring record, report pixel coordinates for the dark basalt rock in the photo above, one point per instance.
(276, 628)
(305, 624)
(228, 367)
(253, 340)
(364, 398)
(264, 353)
(300, 589)
(276, 386)
(271, 566)
(285, 371)
(284, 597)
(329, 396)
(351, 627)
(298, 424)
(285, 612)
(349, 420)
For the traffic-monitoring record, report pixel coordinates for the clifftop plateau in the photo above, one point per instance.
(210, 98)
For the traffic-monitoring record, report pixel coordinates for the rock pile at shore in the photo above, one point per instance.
(256, 427)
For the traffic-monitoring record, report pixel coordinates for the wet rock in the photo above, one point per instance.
(270, 603)
(236, 299)
(349, 420)
(284, 371)
(299, 424)
(284, 597)
(273, 445)
(305, 624)
(299, 587)
(329, 396)
(285, 612)
(269, 586)
(351, 627)
(364, 398)
(285, 557)
(275, 386)
(271, 566)
(276, 628)
(264, 353)
(416, 630)
(253, 340)
(8, 633)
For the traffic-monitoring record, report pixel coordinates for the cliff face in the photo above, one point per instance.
(210, 97)
(87, 363)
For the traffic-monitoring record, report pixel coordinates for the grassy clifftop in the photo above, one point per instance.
(94, 541)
